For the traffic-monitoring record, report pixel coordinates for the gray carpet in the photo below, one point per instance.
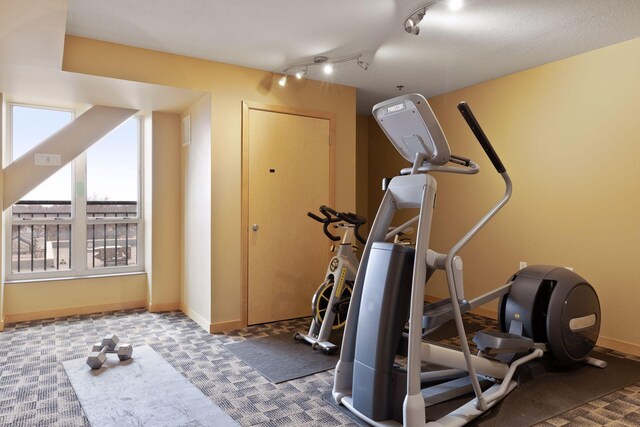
(142, 391)
(280, 358)
(35, 390)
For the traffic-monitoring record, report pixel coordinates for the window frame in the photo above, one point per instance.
(79, 221)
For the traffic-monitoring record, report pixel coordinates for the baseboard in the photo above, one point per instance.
(72, 311)
(622, 346)
(215, 328)
(1, 326)
(196, 317)
(164, 306)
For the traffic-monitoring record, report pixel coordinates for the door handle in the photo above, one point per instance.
(255, 227)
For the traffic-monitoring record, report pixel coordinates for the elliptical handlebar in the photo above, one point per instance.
(356, 220)
(468, 116)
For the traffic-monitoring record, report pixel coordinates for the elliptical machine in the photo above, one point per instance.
(543, 310)
(330, 303)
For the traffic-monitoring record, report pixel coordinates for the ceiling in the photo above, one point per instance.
(484, 40)
(31, 48)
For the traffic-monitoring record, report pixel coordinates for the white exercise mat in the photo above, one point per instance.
(143, 391)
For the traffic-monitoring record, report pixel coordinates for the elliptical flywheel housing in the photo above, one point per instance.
(555, 306)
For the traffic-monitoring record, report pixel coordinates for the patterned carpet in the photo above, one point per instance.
(35, 391)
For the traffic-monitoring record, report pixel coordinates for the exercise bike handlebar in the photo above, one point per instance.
(331, 216)
(356, 220)
(468, 116)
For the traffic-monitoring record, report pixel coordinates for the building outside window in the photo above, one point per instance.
(86, 218)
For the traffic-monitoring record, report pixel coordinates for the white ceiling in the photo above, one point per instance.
(31, 48)
(485, 40)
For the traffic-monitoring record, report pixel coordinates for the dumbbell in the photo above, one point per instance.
(109, 344)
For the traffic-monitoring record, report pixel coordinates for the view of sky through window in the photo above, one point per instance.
(30, 126)
(112, 165)
(112, 162)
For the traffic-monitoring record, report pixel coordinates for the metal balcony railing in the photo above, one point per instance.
(42, 238)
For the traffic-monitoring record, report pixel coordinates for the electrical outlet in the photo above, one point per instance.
(523, 264)
(569, 268)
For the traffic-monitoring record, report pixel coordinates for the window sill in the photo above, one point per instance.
(67, 278)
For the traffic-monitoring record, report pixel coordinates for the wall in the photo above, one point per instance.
(567, 133)
(229, 86)
(195, 176)
(54, 298)
(163, 272)
(2, 118)
(362, 168)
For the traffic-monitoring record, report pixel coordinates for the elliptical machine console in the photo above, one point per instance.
(543, 310)
(412, 133)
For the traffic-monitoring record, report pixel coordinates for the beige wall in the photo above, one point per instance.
(362, 167)
(53, 298)
(196, 215)
(229, 86)
(2, 112)
(567, 133)
(164, 270)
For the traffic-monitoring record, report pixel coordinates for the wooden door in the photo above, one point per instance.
(288, 175)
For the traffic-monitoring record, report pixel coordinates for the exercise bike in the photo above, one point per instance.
(330, 303)
(544, 311)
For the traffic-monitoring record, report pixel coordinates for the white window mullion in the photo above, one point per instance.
(79, 203)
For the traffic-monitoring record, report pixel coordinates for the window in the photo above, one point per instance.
(86, 218)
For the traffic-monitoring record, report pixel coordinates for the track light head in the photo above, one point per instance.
(301, 73)
(363, 65)
(283, 81)
(411, 27)
(411, 24)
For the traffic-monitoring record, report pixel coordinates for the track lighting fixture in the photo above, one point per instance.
(300, 70)
(411, 23)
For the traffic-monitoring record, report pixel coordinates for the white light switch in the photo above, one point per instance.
(41, 159)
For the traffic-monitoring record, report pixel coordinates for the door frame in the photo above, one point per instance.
(244, 222)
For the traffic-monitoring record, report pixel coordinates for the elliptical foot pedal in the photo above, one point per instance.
(495, 343)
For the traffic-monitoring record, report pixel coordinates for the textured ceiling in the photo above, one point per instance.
(485, 40)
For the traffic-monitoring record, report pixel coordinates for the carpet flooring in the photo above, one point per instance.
(35, 390)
